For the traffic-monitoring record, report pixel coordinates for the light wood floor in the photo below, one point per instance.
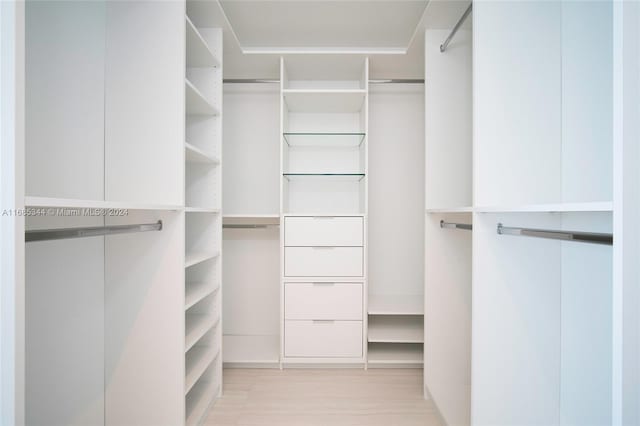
(323, 397)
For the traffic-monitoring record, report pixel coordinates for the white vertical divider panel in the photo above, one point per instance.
(65, 99)
(284, 191)
(448, 120)
(587, 115)
(517, 102)
(586, 324)
(144, 322)
(144, 103)
(12, 256)
(626, 269)
(447, 354)
(448, 261)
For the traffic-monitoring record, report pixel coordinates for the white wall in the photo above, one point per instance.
(626, 288)
(447, 315)
(396, 189)
(65, 99)
(448, 120)
(12, 228)
(251, 149)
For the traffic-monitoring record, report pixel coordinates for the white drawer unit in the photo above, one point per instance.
(323, 301)
(308, 231)
(323, 339)
(323, 261)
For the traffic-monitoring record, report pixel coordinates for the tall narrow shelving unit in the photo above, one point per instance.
(324, 122)
(203, 222)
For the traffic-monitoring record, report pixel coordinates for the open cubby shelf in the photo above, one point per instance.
(198, 52)
(347, 177)
(197, 360)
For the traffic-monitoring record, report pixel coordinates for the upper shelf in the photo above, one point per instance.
(72, 203)
(199, 55)
(196, 103)
(396, 305)
(193, 154)
(345, 177)
(325, 101)
(324, 139)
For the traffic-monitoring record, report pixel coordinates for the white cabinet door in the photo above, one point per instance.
(323, 231)
(323, 261)
(322, 300)
(337, 339)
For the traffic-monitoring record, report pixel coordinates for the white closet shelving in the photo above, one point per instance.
(251, 215)
(549, 302)
(396, 247)
(96, 155)
(323, 134)
(203, 221)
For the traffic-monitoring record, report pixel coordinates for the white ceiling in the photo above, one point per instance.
(353, 24)
(390, 32)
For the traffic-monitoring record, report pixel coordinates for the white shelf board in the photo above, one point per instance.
(405, 353)
(195, 101)
(201, 210)
(194, 154)
(197, 360)
(199, 257)
(396, 330)
(251, 349)
(199, 55)
(396, 305)
(325, 101)
(328, 213)
(196, 326)
(604, 206)
(196, 291)
(250, 219)
(72, 203)
(451, 210)
(199, 400)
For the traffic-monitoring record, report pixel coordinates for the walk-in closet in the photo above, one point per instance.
(222, 212)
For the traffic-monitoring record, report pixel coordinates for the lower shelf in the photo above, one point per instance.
(198, 359)
(199, 400)
(251, 349)
(396, 329)
(395, 353)
(196, 326)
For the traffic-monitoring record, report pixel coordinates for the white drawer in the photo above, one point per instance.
(322, 339)
(323, 231)
(330, 301)
(323, 261)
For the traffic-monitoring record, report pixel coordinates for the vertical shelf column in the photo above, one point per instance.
(203, 220)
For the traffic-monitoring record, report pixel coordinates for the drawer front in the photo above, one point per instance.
(323, 339)
(323, 231)
(323, 261)
(329, 301)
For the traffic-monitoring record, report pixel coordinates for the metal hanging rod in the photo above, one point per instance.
(455, 29)
(376, 81)
(450, 225)
(250, 226)
(582, 237)
(96, 231)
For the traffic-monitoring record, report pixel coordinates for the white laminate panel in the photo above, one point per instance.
(340, 339)
(323, 300)
(323, 231)
(323, 261)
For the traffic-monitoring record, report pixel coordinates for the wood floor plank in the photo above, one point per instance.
(323, 397)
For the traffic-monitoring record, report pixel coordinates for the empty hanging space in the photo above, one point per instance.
(549, 300)
(449, 220)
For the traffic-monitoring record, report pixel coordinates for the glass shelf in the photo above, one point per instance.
(346, 177)
(324, 139)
